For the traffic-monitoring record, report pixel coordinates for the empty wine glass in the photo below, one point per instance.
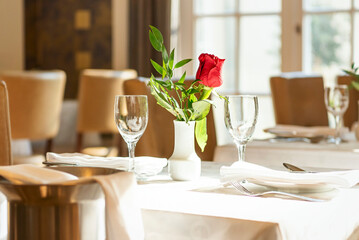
(336, 102)
(131, 116)
(240, 117)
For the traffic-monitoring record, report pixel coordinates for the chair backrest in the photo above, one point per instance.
(5, 133)
(96, 97)
(35, 100)
(351, 115)
(158, 139)
(298, 99)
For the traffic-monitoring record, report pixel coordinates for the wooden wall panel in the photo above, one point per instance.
(53, 40)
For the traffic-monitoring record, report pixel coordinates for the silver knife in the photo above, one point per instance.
(294, 168)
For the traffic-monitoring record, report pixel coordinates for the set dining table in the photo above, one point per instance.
(205, 209)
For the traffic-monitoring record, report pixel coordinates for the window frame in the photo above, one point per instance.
(292, 17)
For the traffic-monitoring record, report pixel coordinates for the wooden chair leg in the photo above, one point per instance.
(79, 142)
(48, 146)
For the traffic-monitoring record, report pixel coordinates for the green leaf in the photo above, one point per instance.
(192, 99)
(154, 42)
(172, 57)
(182, 78)
(183, 62)
(201, 133)
(350, 73)
(205, 93)
(161, 98)
(164, 72)
(355, 85)
(164, 54)
(158, 67)
(157, 34)
(200, 110)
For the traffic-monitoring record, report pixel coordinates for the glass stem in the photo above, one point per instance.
(338, 122)
(131, 154)
(241, 150)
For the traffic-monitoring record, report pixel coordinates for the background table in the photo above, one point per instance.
(321, 155)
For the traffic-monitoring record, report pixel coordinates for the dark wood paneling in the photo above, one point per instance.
(51, 40)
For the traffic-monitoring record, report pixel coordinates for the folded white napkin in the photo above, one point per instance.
(149, 165)
(123, 215)
(300, 131)
(249, 171)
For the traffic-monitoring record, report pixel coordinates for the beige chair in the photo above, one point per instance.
(351, 115)
(158, 139)
(97, 91)
(5, 132)
(35, 100)
(298, 99)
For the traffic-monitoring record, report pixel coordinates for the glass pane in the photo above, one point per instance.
(214, 6)
(217, 36)
(253, 6)
(357, 4)
(322, 5)
(259, 52)
(326, 44)
(356, 39)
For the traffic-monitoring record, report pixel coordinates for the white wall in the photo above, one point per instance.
(11, 35)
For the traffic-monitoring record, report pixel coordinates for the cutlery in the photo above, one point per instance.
(237, 185)
(296, 169)
(293, 168)
(314, 139)
(59, 163)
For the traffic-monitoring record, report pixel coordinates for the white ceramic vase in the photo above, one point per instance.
(184, 164)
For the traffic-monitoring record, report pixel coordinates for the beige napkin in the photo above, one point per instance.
(300, 131)
(33, 174)
(243, 170)
(123, 216)
(149, 165)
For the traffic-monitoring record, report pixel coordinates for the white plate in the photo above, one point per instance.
(292, 187)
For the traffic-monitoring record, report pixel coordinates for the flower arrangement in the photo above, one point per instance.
(191, 103)
(354, 73)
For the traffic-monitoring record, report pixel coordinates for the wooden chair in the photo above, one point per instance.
(158, 139)
(97, 91)
(351, 115)
(5, 132)
(298, 99)
(35, 100)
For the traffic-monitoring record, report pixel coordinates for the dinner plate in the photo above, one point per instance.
(292, 187)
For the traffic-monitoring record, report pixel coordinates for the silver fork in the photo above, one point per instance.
(237, 185)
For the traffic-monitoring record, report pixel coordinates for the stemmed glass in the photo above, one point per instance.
(131, 116)
(241, 112)
(336, 102)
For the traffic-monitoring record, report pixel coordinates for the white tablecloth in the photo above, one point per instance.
(273, 154)
(163, 202)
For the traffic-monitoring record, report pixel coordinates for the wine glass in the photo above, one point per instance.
(131, 117)
(241, 112)
(336, 102)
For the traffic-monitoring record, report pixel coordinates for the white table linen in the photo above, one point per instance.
(239, 171)
(145, 164)
(336, 218)
(274, 154)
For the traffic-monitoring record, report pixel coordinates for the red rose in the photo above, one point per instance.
(209, 70)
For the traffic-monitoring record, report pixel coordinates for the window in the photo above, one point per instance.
(261, 38)
(247, 36)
